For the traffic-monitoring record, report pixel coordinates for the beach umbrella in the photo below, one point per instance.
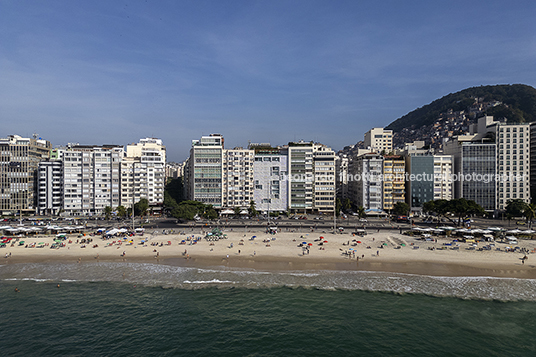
(358, 241)
(303, 242)
(321, 237)
(384, 243)
(310, 244)
(325, 241)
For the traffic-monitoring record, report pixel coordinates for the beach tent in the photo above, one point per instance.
(375, 212)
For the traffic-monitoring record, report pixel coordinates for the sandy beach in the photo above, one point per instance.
(381, 251)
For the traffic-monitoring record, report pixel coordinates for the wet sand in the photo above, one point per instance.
(283, 253)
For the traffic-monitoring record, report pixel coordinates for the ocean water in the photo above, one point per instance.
(133, 309)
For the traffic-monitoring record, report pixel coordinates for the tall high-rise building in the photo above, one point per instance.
(311, 177)
(91, 178)
(474, 169)
(19, 159)
(379, 140)
(420, 183)
(143, 172)
(365, 187)
(513, 163)
(205, 172)
(270, 179)
(49, 187)
(443, 183)
(237, 177)
(394, 181)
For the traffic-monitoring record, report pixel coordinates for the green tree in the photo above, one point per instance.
(210, 212)
(169, 202)
(338, 206)
(530, 213)
(141, 207)
(400, 208)
(347, 204)
(237, 211)
(175, 189)
(121, 211)
(107, 212)
(251, 210)
(361, 212)
(515, 207)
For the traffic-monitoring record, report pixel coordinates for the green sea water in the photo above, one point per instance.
(143, 314)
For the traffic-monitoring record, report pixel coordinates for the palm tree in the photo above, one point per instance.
(530, 213)
(121, 211)
(361, 212)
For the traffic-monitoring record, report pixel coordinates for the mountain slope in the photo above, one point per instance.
(518, 105)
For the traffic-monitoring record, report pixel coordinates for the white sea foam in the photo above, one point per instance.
(184, 277)
(213, 281)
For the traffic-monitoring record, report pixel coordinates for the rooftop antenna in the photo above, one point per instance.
(35, 136)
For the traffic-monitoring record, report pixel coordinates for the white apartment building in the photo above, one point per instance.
(49, 187)
(341, 172)
(378, 140)
(143, 172)
(311, 177)
(513, 163)
(443, 186)
(365, 186)
(324, 184)
(237, 177)
(270, 179)
(91, 178)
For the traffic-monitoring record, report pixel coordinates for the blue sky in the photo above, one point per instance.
(99, 72)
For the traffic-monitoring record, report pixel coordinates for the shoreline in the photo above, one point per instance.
(376, 253)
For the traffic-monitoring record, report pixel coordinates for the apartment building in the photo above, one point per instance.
(311, 177)
(324, 179)
(341, 172)
(394, 168)
(443, 182)
(91, 178)
(143, 171)
(237, 177)
(19, 160)
(49, 187)
(379, 140)
(205, 171)
(270, 170)
(513, 163)
(365, 186)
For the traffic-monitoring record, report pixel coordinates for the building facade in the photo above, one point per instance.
(49, 188)
(19, 160)
(379, 140)
(237, 177)
(394, 181)
(205, 173)
(91, 178)
(270, 179)
(365, 186)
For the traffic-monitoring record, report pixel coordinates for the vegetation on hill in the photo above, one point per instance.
(519, 105)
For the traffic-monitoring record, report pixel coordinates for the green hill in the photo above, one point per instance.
(519, 105)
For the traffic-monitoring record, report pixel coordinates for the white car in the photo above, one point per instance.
(363, 220)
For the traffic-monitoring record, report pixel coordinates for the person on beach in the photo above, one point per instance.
(377, 253)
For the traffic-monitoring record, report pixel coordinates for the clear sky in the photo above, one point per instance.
(112, 72)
